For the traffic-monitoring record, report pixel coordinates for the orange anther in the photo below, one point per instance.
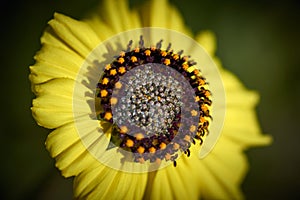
(123, 129)
(136, 50)
(107, 67)
(194, 113)
(139, 136)
(187, 138)
(167, 61)
(147, 52)
(118, 85)
(113, 101)
(129, 143)
(152, 150)
(105, 81)
(176, 56)
(113, 72)
(141, 149)
(176, 146)
(168, 156)
(193, 128)
(133, 59)
(103, 93)
(121, 60)
(122, 53)
(162, 145)
(108, 116)
(185, 66)
(122, 70)
(197, 98)
(163, 53)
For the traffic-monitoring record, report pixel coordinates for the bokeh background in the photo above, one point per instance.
(258, 40)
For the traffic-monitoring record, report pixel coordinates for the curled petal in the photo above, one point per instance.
(77, 35)
(54, 62)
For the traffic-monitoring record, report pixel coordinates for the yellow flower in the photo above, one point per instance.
(75, 54)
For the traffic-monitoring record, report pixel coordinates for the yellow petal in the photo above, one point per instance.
(180, 182)
(231, 82)
(51, 38)
(128, 179)
(101, 182)
(135, 19)
(158, 13)
(176, 22)
(216, 186)
(241, 119)
(128, 18)
(207, 174)
(61, 138)
(54, 62)
(207, 40)
(175, 183)
(241, 123)
(229, 155)
(112, 18)
(54, 105)
(225, 168)
(242, 126)
(161, 188)
(76, 34)
(240, 99)
(63, 88)
(103, 30)
(110, 15)
(116, 14)
(44, 117)
(66, 146)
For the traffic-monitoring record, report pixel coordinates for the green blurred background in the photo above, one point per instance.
(257, 40)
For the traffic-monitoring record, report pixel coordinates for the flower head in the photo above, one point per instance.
(136, 111)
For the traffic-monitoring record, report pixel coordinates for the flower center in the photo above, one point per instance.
(156, 101)
(150, 101)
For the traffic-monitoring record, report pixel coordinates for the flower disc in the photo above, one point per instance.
(151, 93)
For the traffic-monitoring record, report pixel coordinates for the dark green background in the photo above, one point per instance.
(257, 40)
